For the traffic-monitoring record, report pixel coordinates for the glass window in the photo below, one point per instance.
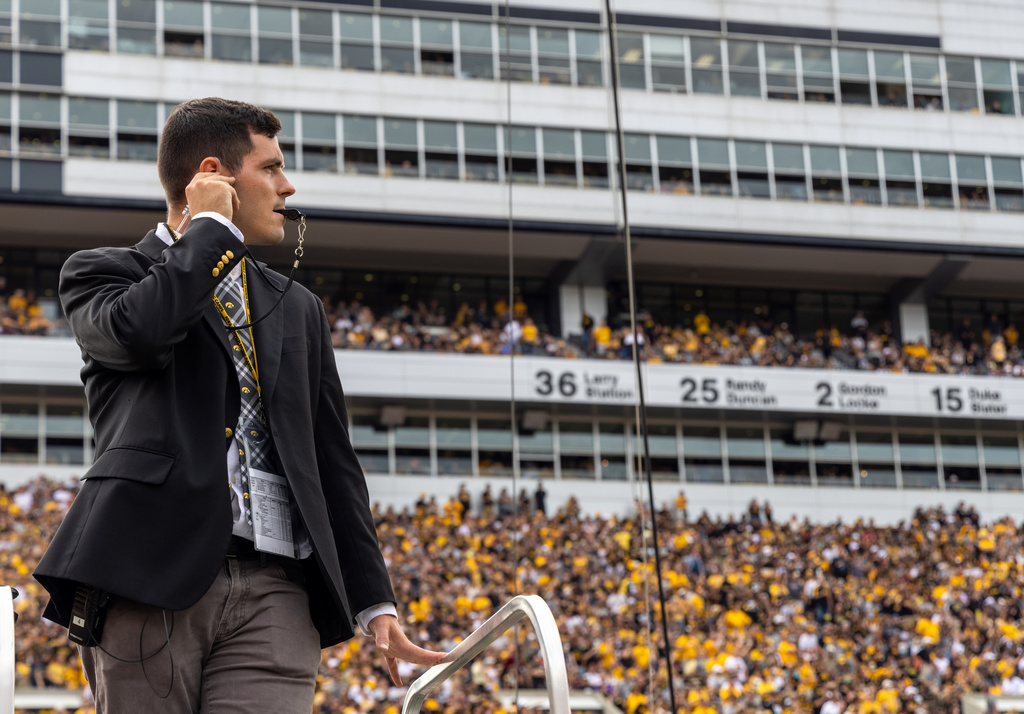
(576, 437)
(1001, 451)
(745, 443)
(516, 57)
(701, 441)
(891, 78)
(752, 169)
(494, 434)
(632, 73)
(437, 54)
(917, 448)
(88, 25)
(780, 67)
(588, 58)
(926, 80)
(553, 56)
(559, 157)
(476, 50)
(89, 112)
(41, 68)
(874, 446)
(401, 157)
(39, 108)
(183, 28)
(639, 171)
(522, 145)
(963, 90)
(972, 182)
(997, 87)
(360, 144)
(136, 115)
(481, 152)
(790, 179)
(675, 165)
(229, 16)
(441, 146)
(744, 70)
(357, 41)
(275, 29)
(396, 54)
(19, 424)
(713, 160)
(817, 69)
(594, 147)
(1006, 174)
(959, 449)
(706, 60)
(229, 37)
(936, 186)
(668, 63)
(183, 13)
(316, 46)
(136, 26)
(453, 433)
(826, 174)
(862, 167)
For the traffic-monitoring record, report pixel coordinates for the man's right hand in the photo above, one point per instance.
(212, 191)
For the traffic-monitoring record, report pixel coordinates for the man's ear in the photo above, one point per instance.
(211, 164)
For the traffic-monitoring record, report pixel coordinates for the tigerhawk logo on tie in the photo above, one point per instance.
(246, 390)
(229, 304)
(237, 348)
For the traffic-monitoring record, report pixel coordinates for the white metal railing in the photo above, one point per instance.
(6, 650)
(531, 606)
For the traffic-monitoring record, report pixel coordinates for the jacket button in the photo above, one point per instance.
(224, 258)
(216, 272)
(220, 266)
(227, 432)
(229, 254)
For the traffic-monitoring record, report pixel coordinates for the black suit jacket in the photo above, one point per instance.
(153, 519)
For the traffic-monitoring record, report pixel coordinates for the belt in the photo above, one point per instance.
(240, 548)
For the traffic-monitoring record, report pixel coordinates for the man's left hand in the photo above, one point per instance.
(394, 645)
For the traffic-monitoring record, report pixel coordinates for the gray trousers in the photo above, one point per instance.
(247, 646)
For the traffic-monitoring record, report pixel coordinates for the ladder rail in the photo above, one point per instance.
(519, 607)
(6, 650)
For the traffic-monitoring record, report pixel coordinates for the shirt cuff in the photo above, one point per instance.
(222, 220)
(363, 618)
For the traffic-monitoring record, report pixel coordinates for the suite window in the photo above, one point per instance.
(594, 148)
(6, 186)
(1020, 84)
(476, 50)
(319, 142)
(744, 69)
(41, 68)
(560, 157)
(19, 433)
(891, 78)
(936, 183)
(613, 451)
(668, 63)
(39, 132)
(65, 429)
(494, 440)
(854, 78)
(713, 161)
(553, 66)
(454, 442)
(997, 86)
(39, 24)
(826, 174)
(746, 455)
(230, 28)
(919, 465)
(316, 38)
(790, 460)
(137, 131)
(412, 446)
(515, 56)
(972, 182)
(1002, 463)
(6, 33)
(437, 52)
(1009, 186)
(396, 45)
(780, 71)
(833, 462)
(88, 25)
(136, 26)
(589, 72)
(401, 152)
(875, 454)
(360, 145)
(926, 80)
(963, 84)
(632, 61)
(275, 35)
(664, 448)
(862, 173)
(5, 132)
(639, 172)
(6, 67)
(817, 69)
(960, 462)
(286, 137)
(576, 443)
(522, 147)
(702, 451)
(900, 179)
(675, 165)
(790, 175)
(357, 41)
(43, 177)
(706, 60)
(752, 170)
(441, 150)
(183, 28)
(89, 128)
(481, 152)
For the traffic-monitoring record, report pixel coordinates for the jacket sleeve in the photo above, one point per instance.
(348, 502)
(128, 318)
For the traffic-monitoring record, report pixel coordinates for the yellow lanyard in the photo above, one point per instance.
(253, 364)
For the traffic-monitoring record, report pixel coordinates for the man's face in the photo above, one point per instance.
(262, 189)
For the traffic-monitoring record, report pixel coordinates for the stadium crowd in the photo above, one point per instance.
(994, 350)
(21, 314)
(764, 616)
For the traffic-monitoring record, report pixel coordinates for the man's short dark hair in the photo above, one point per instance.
(206, 127)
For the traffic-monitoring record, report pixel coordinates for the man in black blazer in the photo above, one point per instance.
(197, 612)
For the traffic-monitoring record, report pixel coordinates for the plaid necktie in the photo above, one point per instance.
(232, 299)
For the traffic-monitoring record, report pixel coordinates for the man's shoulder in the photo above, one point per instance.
(123, 255)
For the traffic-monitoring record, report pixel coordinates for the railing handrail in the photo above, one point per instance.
(531, 606)
(6, 650)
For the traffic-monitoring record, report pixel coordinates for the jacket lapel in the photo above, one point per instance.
(267, 334)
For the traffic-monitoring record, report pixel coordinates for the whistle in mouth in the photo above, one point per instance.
(292, 214)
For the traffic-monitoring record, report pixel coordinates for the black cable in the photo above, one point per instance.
(646, 457)
(143, 659)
